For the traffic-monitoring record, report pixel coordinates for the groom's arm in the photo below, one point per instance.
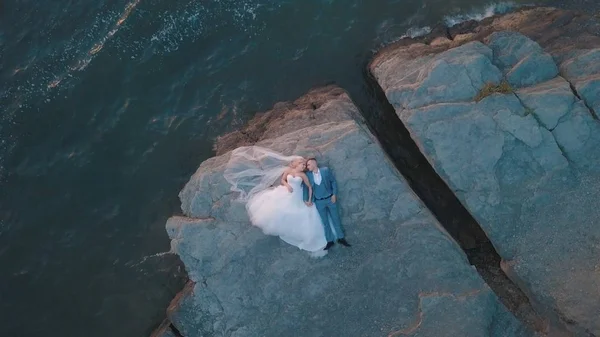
(306, 186)
(333, 182)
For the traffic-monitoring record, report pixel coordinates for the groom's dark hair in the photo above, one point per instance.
(312, 158)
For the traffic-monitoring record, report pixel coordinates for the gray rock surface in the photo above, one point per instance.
(433, 78)
(403, 276)
(525, 164)
(523, 61)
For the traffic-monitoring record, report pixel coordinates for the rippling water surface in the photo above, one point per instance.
(107, 108)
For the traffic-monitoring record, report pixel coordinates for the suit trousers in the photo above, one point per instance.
(328, 210)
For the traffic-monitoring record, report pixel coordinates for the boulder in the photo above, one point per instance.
(526, 162)
(403, 276)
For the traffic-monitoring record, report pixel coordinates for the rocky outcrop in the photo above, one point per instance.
(304, 112)
(525, 163)
(165, 330)
(404, 275)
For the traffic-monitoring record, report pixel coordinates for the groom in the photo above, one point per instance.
(324, 196)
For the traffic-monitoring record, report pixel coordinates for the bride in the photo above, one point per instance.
(279, 211)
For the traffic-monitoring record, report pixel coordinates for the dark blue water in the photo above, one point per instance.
(107, 108)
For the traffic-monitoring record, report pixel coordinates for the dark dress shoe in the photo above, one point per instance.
(329, 245)
(344, 242)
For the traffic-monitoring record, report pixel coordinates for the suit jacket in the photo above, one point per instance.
(327, 180)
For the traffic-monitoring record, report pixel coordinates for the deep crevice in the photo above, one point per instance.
(574, 90)
(396, 141)
(175, 331)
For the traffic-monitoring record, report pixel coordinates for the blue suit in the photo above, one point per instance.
(321, 197)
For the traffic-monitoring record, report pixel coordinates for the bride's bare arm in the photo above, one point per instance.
(284, 181)
(307, 183)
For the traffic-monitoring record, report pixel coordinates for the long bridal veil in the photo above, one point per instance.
(252, 169)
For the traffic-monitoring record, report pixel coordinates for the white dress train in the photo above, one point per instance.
(278, 212)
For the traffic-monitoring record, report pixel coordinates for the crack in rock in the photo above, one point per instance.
(540, 124)
(175, 331)
(576, 93)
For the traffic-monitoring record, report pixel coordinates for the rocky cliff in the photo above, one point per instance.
(403, 275)
(505, 112)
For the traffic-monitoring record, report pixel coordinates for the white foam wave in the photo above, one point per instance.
(200, 19)
(41, 78)
(145, 258)
(82, 63)
(480, 14)
(414, 32)
(451, 20)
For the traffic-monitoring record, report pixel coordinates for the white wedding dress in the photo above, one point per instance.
(282, 213)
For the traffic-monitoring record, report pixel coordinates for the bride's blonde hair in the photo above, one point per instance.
(297, 161)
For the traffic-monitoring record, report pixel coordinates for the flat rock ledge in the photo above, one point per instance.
(524, 162)
(403, 276)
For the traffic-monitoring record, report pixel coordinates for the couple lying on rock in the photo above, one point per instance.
(302, 210)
